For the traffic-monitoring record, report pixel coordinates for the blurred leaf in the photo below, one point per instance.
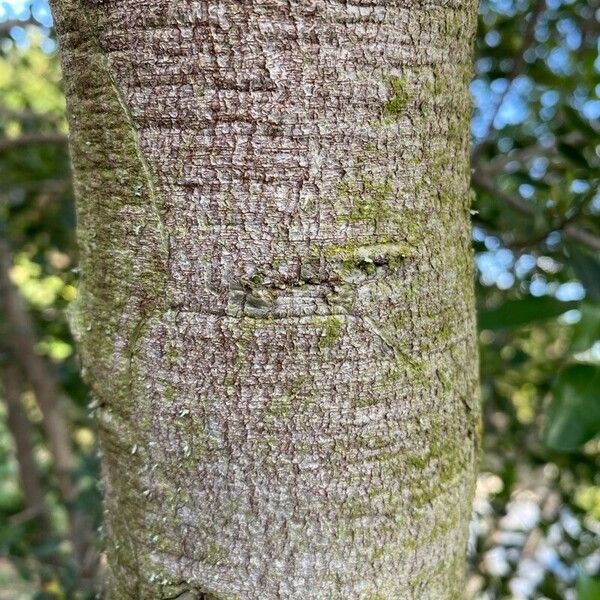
(514, 313)
(587, 331)
(45, 596)
(588, 588)
(573, 416)
(545, 76)
(574, 154)
(587, 269)
(47, 549)
(578, 123)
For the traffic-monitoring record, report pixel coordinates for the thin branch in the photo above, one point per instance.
(22, 341)
(569, 229)
(486, 183)
(583, 236)
(498, 164)
(22, 336)
(44, 186)
(31, 116)
(6, 26)
(28, 139)
(517, 68)
(22, 433)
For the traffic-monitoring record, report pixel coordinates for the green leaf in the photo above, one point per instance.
(587, 331)
(578, 123)
(588, 588)
(587, 269)
(573, 154)
(573, 416)
(514, 313)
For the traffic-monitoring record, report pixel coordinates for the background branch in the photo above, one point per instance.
(30, 139)
(516, 70)
(21, 339)
(569, 229)
(22, 433)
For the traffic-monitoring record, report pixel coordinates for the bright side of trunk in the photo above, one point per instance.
(276, 312)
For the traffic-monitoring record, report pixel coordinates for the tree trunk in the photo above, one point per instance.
(21, 431)
(276, 309)
(22, 339)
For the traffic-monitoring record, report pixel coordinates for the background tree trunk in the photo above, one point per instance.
(21, 338)
(21, 431)
(276, 310)
(20, 341)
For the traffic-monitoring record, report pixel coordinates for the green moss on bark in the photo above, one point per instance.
(396, 105)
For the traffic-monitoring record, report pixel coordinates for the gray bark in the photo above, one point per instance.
(276, 308)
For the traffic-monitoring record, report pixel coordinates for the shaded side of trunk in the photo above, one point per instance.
(276, 309)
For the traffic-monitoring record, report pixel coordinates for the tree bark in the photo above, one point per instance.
(276, 310)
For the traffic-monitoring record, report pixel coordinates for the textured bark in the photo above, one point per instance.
(276, 308)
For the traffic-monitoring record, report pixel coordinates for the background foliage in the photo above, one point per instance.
(536, 168)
